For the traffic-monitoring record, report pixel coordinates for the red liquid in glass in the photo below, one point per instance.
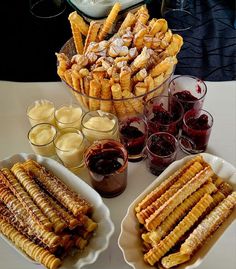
(187, 99)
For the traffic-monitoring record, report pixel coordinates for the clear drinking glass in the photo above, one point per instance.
(179, 14)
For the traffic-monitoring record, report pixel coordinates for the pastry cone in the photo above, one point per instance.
(142, 18)
(192, 171)
(77, 37)
(125, 77)
(149, 82)
(38, 196)
(166, 39)
(94, 92)
(92, 34)
(76, 19)
(174, 46)
(139, 38)
(168, 224)
(140, 61)
(163, 66)
(140, 76)
(134, 102)
(15, 186)
(34, 251)
(105, 105)
(119, 105)
(52, 184)
(209, 225)
(109, 21)
(161, 213)
(50, 239)
(63, 64)
(166, 184)
(154, 255)
(157, 26)
(202, 232)
(129, 21)
(140, 88)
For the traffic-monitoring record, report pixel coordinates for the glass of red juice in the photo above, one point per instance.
(161, 150)
(133, 135)
(163, 114)
(107, 162)
(189, 90)
(196, 130)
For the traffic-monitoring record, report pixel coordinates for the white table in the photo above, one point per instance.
(220, 101)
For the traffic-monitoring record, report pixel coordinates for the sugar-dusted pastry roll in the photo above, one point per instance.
(142, 16)
(125, 78)
(129, 21)
(140, 61)
(202, 232)
(39, 197)
(50, 239)
(139, 38)
(163, 66)
(161, 213)
(157, 26)
(92, 34)
(166, 184)
(68, 198)
(168, 224)
(11, 181)
(158, 251)
(109, 21)
(63, 64)
(193, 170)
(34, 251)
(76, 19)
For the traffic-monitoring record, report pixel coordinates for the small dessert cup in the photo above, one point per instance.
(163, 114)
(133, 135)
(190, 91)
(161, 150)
(107, 162)
(41, 137)
(68, 116)
(70, 145)
(196, 130)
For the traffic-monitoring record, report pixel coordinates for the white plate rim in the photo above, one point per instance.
(100, 241)
(129, 224)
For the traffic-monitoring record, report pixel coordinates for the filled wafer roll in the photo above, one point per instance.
(39, 197)
(34, 251)
(69, 199)
(119, 105)
(15, 186)
(173, 237)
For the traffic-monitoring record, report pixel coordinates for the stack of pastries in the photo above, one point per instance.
(179, 215)
(41, 215)
(114, 69)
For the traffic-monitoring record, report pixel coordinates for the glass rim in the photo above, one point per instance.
(192, 77)
(162, 133)
(71, 122)
(33, 104)
(198, 111)
(46, 144)
(173, 122)
(105, 113)
(61, 134)
(103, 142)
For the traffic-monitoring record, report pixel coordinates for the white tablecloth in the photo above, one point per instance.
(220, 102)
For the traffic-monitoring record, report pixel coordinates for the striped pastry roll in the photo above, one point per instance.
(17, 209)
(188, 174)
(15, 186)
(154, 255)
(168, 224)
(39, 197)
(34, 251)
(202, 232)
(165, 185)
(196, 182)
(68, 198)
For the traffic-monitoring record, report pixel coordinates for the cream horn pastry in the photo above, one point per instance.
(38, 197)
(11, 181)
(68, 198)
(21, 214)
(34, 251)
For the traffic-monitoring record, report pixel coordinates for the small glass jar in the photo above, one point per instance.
(107, 162)
(70, 145)
(97, 125)
(41, 137)
(68, 116)
(41, 111)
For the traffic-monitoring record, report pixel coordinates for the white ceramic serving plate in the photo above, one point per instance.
(101, 213)
(132, 249)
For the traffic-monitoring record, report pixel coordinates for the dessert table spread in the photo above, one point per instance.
(220, 102)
